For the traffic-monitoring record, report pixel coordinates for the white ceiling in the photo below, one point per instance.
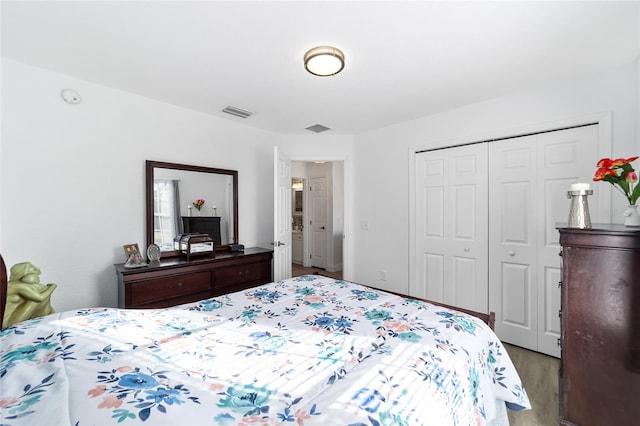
(404, 60)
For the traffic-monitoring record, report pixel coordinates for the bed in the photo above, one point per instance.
(309, 350)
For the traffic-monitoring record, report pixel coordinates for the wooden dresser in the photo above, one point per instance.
(175, 281)
(600, 364)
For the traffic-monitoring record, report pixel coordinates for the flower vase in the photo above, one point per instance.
(199, 212)
(631, 216)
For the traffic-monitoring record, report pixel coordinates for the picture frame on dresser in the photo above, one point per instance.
(130, 249)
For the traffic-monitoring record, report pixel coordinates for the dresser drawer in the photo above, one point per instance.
(170, 287)
(174, 281)
(250, 274)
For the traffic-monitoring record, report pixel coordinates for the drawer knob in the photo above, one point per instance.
(179, 284)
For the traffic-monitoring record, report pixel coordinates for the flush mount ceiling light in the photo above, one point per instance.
(324, 61)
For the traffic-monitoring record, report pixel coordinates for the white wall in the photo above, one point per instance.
(381, 182)
(72, 176)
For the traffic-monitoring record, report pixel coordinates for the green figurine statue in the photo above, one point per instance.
(26, 297)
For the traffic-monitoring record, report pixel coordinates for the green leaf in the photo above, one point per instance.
(635, 195)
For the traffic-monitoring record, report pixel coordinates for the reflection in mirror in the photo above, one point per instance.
(174, 193)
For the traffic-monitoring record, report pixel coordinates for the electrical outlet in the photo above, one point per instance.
(383, 275)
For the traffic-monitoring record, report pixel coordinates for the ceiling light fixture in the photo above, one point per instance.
(324, 61)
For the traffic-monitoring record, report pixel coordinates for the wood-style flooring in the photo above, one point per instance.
(539, 374)
(297, 270)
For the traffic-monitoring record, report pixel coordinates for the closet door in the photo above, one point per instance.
(513, 240)
(564, 157)
(451, 222)
(529, 179)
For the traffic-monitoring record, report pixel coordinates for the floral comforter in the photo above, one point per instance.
(308, 351)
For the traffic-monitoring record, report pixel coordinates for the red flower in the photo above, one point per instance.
(621, 175)
(605, 163)
(198, 203)
(602, 172)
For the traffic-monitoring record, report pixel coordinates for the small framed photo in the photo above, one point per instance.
(134, 258)
(131, 249)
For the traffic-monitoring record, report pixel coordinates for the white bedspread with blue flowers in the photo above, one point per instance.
(306, 351)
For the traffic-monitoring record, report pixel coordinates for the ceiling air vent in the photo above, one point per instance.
(317, 128)
(237, 112)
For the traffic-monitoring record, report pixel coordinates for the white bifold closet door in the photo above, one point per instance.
(529, 179)
(486, 238)
(451, 221)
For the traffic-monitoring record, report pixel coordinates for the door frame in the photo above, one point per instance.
(604, 121)
(347, 241)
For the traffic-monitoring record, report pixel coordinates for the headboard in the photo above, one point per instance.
(3, 289)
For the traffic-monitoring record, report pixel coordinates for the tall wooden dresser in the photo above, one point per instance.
(600, 364)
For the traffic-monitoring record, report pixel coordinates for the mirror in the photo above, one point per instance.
(173, 192)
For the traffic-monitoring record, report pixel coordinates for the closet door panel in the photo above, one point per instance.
(515, 204)
(451, 192)
(464, 197)
(434, 272)
(512, 241)
(433, 208)
(466, 288)
(516, 296)
(565, 157)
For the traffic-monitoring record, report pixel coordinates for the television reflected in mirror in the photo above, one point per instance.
(183, 196)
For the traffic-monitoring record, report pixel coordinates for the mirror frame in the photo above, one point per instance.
(152, 165)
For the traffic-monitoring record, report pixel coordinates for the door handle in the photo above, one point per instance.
(322, 227)
(278, 243)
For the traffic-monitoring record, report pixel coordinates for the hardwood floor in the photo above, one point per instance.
(297, 270)
(539, 374)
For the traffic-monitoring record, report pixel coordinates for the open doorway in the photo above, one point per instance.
(317, 202)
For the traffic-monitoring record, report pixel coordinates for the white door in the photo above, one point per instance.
(564, 157)
(529, 179)
(281, 216)
(513, 271)
(318, 221)
(451, 221)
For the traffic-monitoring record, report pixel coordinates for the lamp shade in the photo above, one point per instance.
(324, 61)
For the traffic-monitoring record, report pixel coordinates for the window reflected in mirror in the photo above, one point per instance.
(166, 209)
